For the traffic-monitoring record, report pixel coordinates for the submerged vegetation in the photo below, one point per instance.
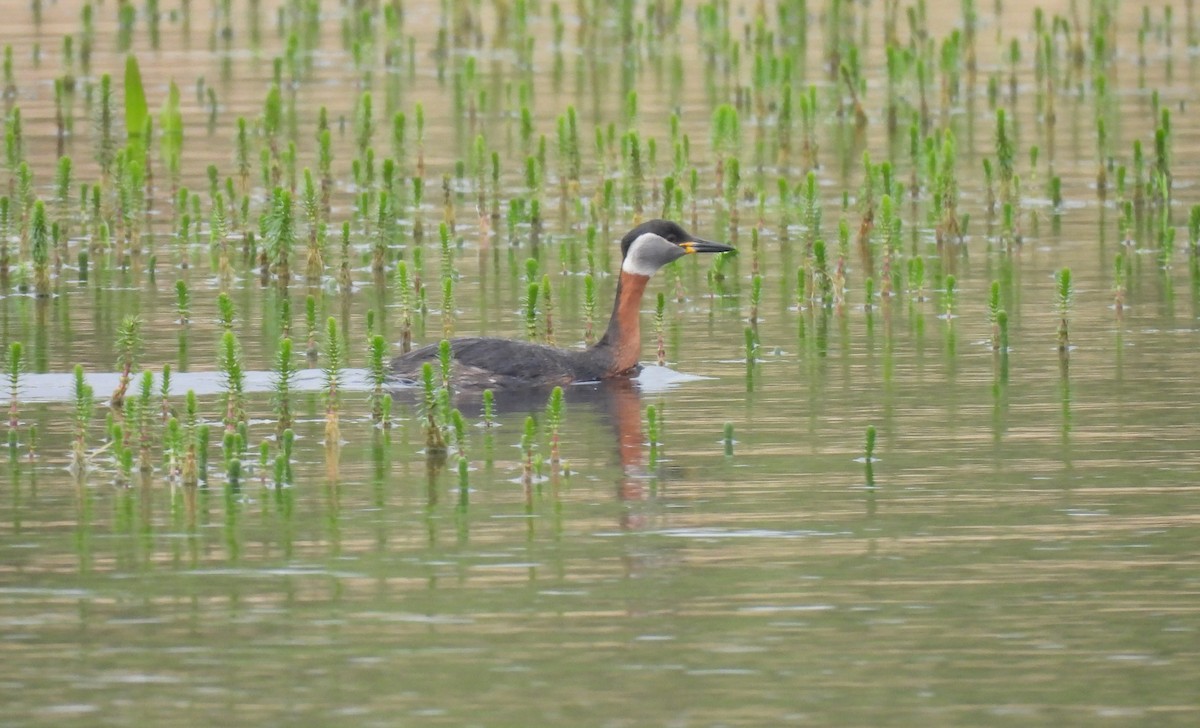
(944, 395)
(863, 159)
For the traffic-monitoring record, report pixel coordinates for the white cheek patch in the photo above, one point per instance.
(639, 259)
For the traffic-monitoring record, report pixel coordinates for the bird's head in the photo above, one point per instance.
(654, 243)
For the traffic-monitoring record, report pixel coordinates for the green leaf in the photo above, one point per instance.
(170, 123)
(135, 108)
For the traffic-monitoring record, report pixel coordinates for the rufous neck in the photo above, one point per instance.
(624, 335)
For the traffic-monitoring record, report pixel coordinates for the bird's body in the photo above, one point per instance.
(506, 364)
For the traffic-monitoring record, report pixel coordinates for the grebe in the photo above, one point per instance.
(502, 363)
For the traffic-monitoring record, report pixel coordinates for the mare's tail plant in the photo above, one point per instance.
(994, 314)
(589, 309)
(285, 377)
(84, 406)
(404, 298)
(380, 399)
(182, 301)
(229, 363)
(528, 440)
(14, 369)
(39, 236)
(129, 344)
(554, 416)
(1064, 306)
(489, 408)
(145, 421)
(435, 436)
(659, 317)
(310, 322)
(334, 363)
(190, 469)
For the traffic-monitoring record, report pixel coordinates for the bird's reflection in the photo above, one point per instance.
(617, 402)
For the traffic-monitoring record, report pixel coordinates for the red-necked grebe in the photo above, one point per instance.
(501, 363)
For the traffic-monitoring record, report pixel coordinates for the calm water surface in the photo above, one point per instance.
(1023, 551)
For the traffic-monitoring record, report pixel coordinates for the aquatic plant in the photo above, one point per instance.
(183, 300)
(464, 485)
(62, 186)
(916, 277)
(143, 423)
(188, 442)
(756, 287)
(993, 314)
(531, 301)
(283, 459)
(39, 237)
(1005, 157)
(404, 301)
(458, 425)
(528, 449)
(129, 346)
(554, 418)
(418, 193)
(232, 446)
(547, 308)
(949, 297)
(164, 393)
(1063, 291)
(310, 325)
(281, 383)
(445, 363)
(378, 371)
(821, 280)
(589, 309)
(103, 142)
(264, 459)
(15, 366)
(226, 313)
(332, 373)
(447, 307)
(489, 408)
(173, 449)
(659, 319)
(1002, 335)
(233, 377)
(733, 185)
(310, 202)
(946, 191)
(203, 437)
(751, 346)
(84, 406)
(838, 278)
(122, 454)
(170, 123)
(280, 234)
(435, 435)
(1119, 283)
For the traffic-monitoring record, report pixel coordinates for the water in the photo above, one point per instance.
(1022, 550)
